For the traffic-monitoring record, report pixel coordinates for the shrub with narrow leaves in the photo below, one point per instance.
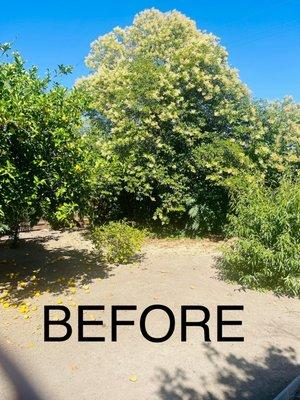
(266, 252)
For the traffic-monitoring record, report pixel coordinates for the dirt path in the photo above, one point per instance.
(172, 273)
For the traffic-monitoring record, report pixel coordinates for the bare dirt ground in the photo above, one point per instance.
(60, 268)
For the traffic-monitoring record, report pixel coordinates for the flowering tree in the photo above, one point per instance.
(159, 91)
(276, 150)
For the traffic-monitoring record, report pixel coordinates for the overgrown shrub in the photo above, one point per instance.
(118, 242)
(266, 251)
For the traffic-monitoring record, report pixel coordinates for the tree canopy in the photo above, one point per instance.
(160, 92)
(40, 152)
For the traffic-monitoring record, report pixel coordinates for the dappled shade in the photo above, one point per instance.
(236, 377)
(33, 269)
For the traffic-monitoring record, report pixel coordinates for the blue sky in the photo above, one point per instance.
(262, 36)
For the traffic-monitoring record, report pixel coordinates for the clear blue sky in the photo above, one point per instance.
(262, 36)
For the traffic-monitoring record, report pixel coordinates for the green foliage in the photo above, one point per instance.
(266, 252)
(41, 154)
(162, 92)
(162, 132)
(222, 167)
(172, 130)
(276, 148)
(118, 242)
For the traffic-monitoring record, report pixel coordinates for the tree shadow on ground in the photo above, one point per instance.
(32, 269)
(235, 377)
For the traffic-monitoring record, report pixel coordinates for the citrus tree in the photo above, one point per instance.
(41, 172)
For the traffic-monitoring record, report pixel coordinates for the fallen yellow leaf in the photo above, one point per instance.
(23, 309)
(133, 378)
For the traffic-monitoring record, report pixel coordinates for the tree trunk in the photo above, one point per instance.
(15, 236)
